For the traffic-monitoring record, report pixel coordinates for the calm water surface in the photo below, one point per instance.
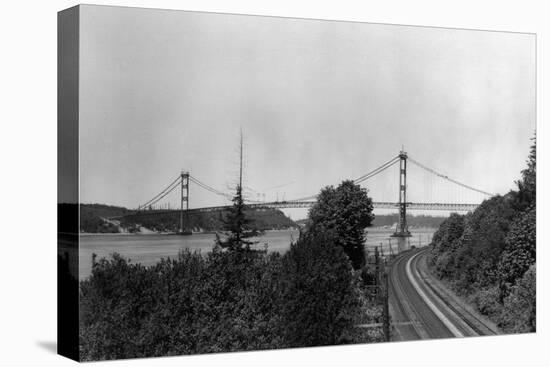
(149, 249)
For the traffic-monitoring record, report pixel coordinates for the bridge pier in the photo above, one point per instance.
(403, 243)
(184, 199)
(402, 231)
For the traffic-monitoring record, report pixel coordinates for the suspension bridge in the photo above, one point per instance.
(402, 205)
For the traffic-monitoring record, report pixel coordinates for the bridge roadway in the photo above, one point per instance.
(422, 308)
(310, 203)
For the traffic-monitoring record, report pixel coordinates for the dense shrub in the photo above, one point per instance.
(444, 244)
(487, 302)
(114, 303)
(482, 243)
(467, 249)
(520, 306)
(520, 251)
(320, 292)
(450, 233)
(222, 301)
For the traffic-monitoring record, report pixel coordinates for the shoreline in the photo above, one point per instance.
(90, 234)
(86, 234)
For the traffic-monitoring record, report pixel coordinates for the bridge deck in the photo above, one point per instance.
(308, 204)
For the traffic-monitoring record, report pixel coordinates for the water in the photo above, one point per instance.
(377, 237)
(149, 249)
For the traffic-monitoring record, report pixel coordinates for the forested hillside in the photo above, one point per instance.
(261, 219)
(489, 255)
(92, 219)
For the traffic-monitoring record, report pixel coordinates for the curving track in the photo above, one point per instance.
(422, 308)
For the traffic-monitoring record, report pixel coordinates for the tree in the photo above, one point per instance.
(520, 251)
(520, 306)
(527, 186)
(482, 242)
(320, 293)
(346, 211)
(237, 227)
(236, 224)
(493, 260)
(444, 243)
(449, 232)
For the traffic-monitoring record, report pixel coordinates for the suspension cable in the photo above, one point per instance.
(448, 178)
(364, 177)
(209, 188)
(162, 196)
(154, 199)
(377, 170)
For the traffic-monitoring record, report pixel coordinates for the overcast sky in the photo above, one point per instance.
(317, 101)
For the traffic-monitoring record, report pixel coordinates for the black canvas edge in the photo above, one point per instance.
(68, 182)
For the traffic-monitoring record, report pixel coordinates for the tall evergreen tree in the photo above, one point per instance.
(236, 224)
(527, 186)
(237, 227)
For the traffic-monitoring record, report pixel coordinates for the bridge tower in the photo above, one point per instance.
(184, 199)
(402, 231)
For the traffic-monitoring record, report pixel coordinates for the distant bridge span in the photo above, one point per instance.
(376, 204)
(309, 204)
(402, 205)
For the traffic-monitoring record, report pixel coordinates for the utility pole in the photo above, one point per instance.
(386, 321)
(377, 267)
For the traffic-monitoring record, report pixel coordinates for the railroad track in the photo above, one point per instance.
(422, 309)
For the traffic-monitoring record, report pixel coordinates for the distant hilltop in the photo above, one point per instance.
(94, 218)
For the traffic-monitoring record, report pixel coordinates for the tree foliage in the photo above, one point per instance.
(260, 219)
(222, 301)
(520, 248)
(520, 306)
(467, 249)
(445, 243)
(490, 254)
(345, 211)
(237, 227)
(320, 294)
(527, 186)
